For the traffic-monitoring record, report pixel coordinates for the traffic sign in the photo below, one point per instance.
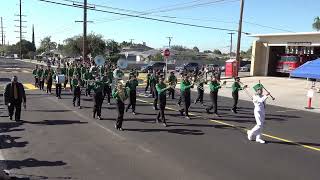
(166, 52)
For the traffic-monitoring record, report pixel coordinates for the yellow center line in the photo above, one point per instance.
(231, 125)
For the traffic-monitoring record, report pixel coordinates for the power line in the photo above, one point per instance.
(148, 18)
(168, 9)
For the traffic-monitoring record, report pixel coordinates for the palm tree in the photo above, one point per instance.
(316, 24)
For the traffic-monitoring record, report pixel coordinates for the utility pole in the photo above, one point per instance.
(84, 37)
(131, 40)
(2, 35)
(239, 31)
(84, 43)
(231, 34)
(169, 38)
(20, 27)
(33, 39)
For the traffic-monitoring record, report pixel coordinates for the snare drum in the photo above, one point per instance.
(60, 79)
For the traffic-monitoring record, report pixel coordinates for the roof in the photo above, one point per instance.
(310, 69)
(286, 34)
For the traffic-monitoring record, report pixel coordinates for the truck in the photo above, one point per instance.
(289, 62)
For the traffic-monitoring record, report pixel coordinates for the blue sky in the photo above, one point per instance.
(58, 21)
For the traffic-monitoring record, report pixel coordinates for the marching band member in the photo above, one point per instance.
(58, 84)
(64, 71)
(107, 86)
(200, 82)
(87, 76)
(148, 81)
(98, 97)
(172, 82)
(161, 89)
(120, 94)
(41, 77)
(214, 87)
(153, 82)
(185, 87)
(76, 82)
(259, 113)
(35, 75)
(236, 87)
(48, 74)
(132, 86)
(78, 70)
(70, 75)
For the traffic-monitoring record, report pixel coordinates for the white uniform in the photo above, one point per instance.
(259, 114)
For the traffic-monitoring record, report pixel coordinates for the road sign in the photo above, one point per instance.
(166, 52)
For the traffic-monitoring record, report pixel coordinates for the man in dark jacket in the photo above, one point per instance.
(14, 95)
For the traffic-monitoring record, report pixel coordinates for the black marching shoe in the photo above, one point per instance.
(99, 117)
(10, 117)
(208, 111)
(165, 124)
(120, 129)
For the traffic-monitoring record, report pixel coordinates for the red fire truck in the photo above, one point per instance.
(293, 59)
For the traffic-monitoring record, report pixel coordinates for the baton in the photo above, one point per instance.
(268, 92)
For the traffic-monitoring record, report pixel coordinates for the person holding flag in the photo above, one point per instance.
(259, 113)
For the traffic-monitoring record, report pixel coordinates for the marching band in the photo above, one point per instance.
(106, 81)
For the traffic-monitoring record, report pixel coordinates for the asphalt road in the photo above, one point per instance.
(58, 141)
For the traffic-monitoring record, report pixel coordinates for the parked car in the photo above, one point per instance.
(245, 68)
(190, 67)
(155, 66)
(212, 67)
(178, 68)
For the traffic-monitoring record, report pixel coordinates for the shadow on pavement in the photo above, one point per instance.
(18, 176)
(175, 131)
(54, 122)
(53, 111)
(30, 162)
(9, 127)
(7, 141)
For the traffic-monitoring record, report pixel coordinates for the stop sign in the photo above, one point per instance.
(166, 52)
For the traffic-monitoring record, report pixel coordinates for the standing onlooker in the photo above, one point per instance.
(14, 95)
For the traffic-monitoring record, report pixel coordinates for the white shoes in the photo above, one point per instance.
(249, 135)
(258, 138)
(260, 141)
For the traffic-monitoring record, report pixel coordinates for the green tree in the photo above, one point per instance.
(157, 57)
(113, 49)
(217, 52)
(26, 47)
(46, 45)
(207, 51)
(316, 24)
(196, 49)
(178, 48)
(73, 46)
